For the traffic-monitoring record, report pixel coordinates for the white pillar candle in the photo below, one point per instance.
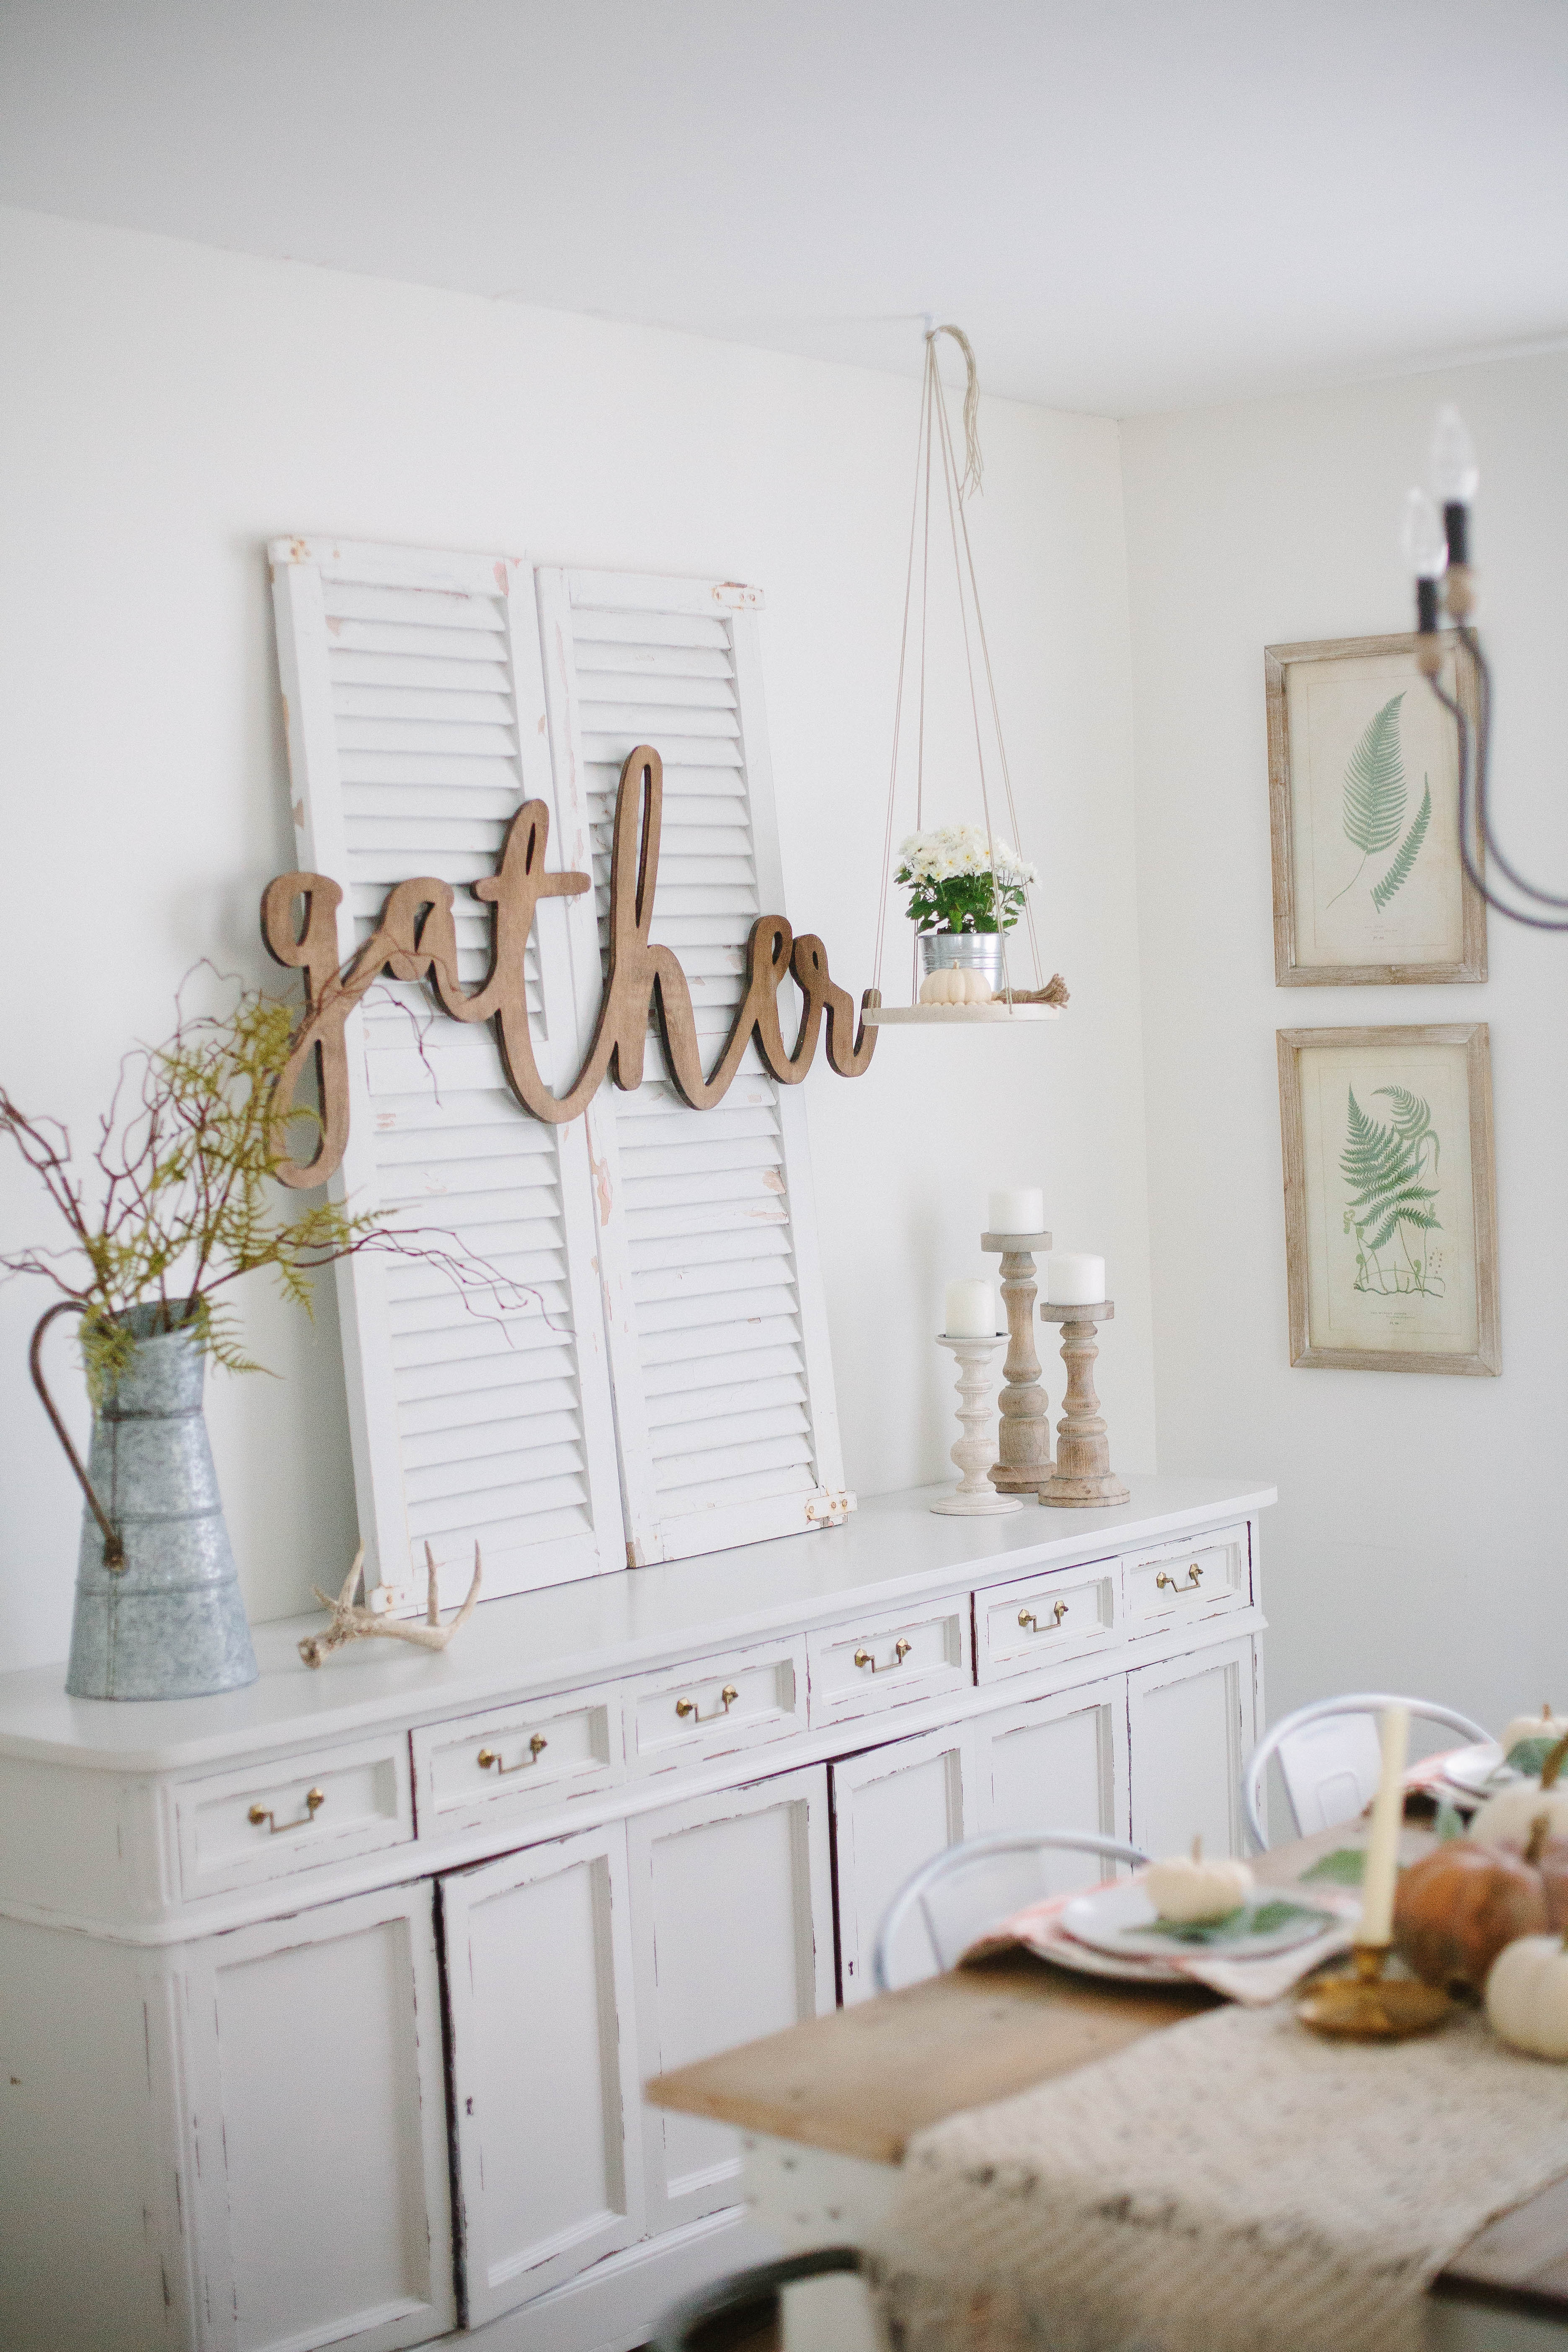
(1016, 1213)
(1073, 1278)
(1383, 1845)
(970, 1310)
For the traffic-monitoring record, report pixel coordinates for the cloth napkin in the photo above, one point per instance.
(1253, 1982)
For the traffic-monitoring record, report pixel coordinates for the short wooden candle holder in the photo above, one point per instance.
(975, 1498)
(1023, 1461)
(1083, 1475)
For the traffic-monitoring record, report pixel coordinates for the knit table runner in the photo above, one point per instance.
(1234, 2184)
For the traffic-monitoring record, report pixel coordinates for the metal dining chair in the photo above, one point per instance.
(743, 2310)
(978, 1883)
(1329, 1758)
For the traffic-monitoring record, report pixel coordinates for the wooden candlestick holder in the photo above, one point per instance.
(1083, 1474)
(1023, 1461)
(974, 1497)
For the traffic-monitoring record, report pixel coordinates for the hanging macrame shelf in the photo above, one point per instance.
(954, 1016)
(934, 451)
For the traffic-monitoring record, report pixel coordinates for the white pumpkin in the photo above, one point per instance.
(1544, 1725)
(954, 985)
(1527, 1995)
(1510, 1817)
(1187, 1890)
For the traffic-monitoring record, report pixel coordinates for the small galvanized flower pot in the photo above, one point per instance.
(169, 1622)
(967, 951)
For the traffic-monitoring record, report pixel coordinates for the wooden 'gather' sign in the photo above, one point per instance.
(415, 938)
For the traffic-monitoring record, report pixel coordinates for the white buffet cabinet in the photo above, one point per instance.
(325, 2006)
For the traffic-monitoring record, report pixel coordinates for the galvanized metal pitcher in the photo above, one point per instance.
(158, 1606)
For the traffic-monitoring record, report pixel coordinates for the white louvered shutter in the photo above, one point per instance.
(719, 1349)
(415, 728)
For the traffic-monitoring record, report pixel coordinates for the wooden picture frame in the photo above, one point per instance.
(1345, 714)
(1410, 1283)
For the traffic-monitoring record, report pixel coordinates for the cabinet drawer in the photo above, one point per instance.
(1062, 1614)
(515, 1759)
(242, 1828)
(885, 1661)
(715, 1706)
(1178, 1582)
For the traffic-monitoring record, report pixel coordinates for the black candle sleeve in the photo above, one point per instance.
(1456, 523)
(1427, 606)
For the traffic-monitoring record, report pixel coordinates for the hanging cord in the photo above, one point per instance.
(898, 719)
(974, 464)
(1001, 744)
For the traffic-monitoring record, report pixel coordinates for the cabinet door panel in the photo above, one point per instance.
(732, 1923)
(544, 2067)
(1057, 1764)
(893, 1808)
(318, 2121)
(1190, 1722)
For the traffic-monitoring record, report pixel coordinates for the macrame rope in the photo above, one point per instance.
(935, 431)
(974, 464)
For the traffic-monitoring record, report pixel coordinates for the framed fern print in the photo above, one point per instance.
(1390, 1198)
(1363, 787)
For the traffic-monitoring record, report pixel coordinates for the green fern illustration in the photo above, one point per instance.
(1374, 807)
(1409, 851)
(1385, 1169)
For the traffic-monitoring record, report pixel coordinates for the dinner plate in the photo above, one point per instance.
(1479, 1770)
(1121, 1920)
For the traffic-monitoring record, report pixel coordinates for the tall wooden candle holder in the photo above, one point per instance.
(1023, 1461)
(1083, 1474)
(974, 1497)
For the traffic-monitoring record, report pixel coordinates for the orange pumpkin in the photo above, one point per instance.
(1456, 1909)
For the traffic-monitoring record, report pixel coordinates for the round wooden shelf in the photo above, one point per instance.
(952, 1016)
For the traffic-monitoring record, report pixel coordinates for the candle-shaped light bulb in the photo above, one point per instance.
(1425, 543)
(1455, 473)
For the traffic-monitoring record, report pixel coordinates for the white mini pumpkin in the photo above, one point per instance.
(1510, 1817)
(1544, 1725)
(1527, 1995)
(1187, 1890)
(953, 985)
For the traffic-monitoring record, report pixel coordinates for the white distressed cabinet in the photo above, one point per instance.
(367, 2072)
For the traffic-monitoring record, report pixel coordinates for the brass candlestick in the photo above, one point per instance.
(1369, 2006)
(1083, 1474)
(1023, 1461)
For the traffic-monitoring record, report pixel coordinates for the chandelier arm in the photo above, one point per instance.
(1471, 640)
(955, 500)
(1514, 914)
(897, 716)
(1001, 740)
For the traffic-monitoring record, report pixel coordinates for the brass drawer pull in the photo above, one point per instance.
(1027, 1620)
(900, 1652)
(315, 1800)
(690, 1706)
(536, 1747)
(1194, 1575)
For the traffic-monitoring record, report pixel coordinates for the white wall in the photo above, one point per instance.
(164, 409)
(1417, 1543)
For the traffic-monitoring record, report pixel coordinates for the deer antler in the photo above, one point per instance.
(354, 1623)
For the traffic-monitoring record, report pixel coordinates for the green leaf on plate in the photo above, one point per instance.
(1343, 1867)
(1246, 1919)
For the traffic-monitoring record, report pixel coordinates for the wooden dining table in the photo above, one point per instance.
(828, 2108)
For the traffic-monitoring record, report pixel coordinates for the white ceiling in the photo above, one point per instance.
(1131, 204)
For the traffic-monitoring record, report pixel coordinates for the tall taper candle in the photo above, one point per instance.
(1382, 1845)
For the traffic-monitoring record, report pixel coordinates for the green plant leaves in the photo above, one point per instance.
(1374, 784)
(1409, 851)
(1386, 1168)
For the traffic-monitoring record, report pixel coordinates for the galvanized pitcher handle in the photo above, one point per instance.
(113, 1548)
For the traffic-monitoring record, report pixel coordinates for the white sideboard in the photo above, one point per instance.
(325, 2005)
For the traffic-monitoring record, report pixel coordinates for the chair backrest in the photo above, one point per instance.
(1329, 1758)
(979, 1882)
